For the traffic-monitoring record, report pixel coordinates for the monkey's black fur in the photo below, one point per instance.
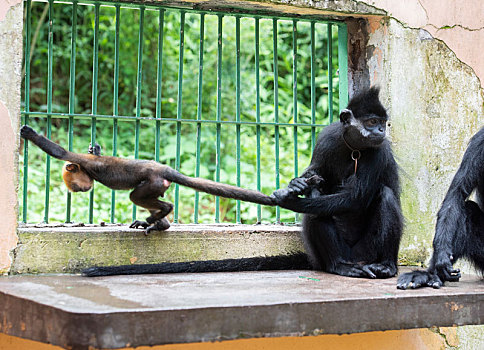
(459, 232)
(283, 262)
(353, 221)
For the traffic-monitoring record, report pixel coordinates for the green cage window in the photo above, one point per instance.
(236, 98)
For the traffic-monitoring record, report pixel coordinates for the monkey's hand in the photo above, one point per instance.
(443, 267)
(138, 224)
(27, 132)
(296, 187)
(96, 150)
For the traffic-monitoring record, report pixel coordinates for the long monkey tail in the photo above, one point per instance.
(296, 261)
(218, 189)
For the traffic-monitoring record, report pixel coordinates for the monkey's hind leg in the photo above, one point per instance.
(146, 196)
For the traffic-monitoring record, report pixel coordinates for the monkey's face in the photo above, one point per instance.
(75, 178)
(367, 131)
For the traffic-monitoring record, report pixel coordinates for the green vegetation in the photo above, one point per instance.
(129, 31)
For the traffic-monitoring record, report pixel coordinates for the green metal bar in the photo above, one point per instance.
(199, 113)
(343, 65)
(237, 109)
(155, 7)
(72, 95)
(330, 73)
(168, 120)
(95, 67)
(139, 80)
(257, 111)
(294, 102)
(28, 34)
(276, 110)
(219, 113)
(161, 21)
(294, 91)
(115, 101)
(49, 107)
(179, 110)
(313, 85)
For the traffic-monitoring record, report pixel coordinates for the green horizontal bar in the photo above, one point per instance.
(155, 7)
(166, 120)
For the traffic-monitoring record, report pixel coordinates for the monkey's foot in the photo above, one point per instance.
(138, 224)
(380, 270)
(418, 279)
(96, 149)
(160, 225)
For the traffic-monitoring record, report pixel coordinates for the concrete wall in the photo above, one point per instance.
(11, 23)
(435, 98)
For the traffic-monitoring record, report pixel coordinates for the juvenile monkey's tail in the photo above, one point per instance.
(218, 189)
(297, 261)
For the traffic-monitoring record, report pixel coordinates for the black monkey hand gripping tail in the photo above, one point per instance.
(353, 221)
(459, 232)
(148, 179)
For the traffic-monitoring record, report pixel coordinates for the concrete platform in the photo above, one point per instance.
(120, 311)
(67, 248)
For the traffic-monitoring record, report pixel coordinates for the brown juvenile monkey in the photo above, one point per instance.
(148, 179)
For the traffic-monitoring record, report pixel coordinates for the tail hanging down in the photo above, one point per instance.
(297, 261)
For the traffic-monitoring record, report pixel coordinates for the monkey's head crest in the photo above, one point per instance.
(76, 178)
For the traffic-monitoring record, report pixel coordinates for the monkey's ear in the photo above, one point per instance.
(71, 167)
(345, 116)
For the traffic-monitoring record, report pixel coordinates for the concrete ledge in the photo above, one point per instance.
(69, 248)
(119, 311)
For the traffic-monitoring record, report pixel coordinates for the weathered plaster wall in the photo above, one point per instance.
(10, 75)
(460, 24)
(435, 100)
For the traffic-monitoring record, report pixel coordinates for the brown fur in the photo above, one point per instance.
(148, 179)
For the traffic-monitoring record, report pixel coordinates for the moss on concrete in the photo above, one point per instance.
(69, 249)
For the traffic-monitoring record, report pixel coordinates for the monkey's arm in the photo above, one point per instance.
(44, 143)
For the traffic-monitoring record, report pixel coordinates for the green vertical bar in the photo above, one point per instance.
(313, 86)
(219, 113)
(276, 109)
(294, 96)
(161, 23)
(49, 107)
(139, 80)
(94, 98)
(237, 108)
(179, 109)
(199, 112)
(294, 91)
(343, 65)
(330, 72)
(115, 100)
(72, 94)
(257, 111)
(28, 24)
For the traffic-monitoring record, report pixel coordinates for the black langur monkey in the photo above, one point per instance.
(459, 231)
(353, 220)
(148, 179)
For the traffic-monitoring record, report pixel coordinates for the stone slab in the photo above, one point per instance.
(120, 311)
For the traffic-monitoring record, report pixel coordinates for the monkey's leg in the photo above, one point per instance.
(326, 249)
(384, 234)
(146, 196)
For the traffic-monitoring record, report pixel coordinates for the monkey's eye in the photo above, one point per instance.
(373, 122)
